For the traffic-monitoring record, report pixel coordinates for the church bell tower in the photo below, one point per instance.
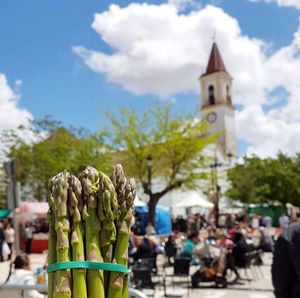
(216, 106)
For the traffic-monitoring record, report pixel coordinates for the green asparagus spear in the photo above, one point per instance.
(89, 179)
(126, 191)
(130, 189)
(60, 195)
(52, 240)
(51, 251)
(107, 212)
(79, 289)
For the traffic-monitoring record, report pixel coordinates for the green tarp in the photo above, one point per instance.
(4, 213)
(273, 211)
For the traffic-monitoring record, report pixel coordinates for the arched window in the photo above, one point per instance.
(211, 95)
(228, 96)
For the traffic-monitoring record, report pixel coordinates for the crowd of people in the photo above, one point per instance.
(8, 236)
(225, 245)
(215, 247)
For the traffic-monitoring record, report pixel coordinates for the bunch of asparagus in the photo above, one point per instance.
(89, 220)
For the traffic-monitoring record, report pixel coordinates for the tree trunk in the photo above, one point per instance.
(216, 214)
(153, 200)
(151, 210)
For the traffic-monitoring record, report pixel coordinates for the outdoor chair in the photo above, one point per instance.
(248, 265)
(257, 262)
(181, 269)
(170, 253)
(142, 279)
(149, 263)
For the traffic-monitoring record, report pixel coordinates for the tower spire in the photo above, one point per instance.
(215, 62)
(216, 106)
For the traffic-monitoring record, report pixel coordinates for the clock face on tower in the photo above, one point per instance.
(211, 117)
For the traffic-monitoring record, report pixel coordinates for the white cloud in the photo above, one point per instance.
(11, 116)
(282, 70)
(157, 50)
(19, 83)
(266, 134)
(160, 51)
(283, 3)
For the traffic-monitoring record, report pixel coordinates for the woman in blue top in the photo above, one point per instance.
(190, 245)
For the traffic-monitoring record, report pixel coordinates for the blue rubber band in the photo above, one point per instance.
(88, 265)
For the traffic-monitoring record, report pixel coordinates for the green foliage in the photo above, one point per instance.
(262, 180)
(174, 143)
(53, 148)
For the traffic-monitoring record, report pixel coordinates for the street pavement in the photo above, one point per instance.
(259, 288)
(231, 294)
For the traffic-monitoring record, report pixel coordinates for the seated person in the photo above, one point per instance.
(224, 242)
(191, 247)
(21, 275)
(170, 248)
(228, 261)
(194, 249)
(146, 252)
(146, 249)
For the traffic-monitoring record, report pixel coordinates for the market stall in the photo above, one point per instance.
(272, 210)
(190, 202)
(36, 213)
(4, 213)
(163, 223)
(193, 199)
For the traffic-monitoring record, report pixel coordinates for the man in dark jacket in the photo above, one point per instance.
(286, 263)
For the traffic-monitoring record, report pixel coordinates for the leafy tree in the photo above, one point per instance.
(52, 149)
(246, 181)
(173, 145)
(262, 180)
(2, 189)
(283, 179)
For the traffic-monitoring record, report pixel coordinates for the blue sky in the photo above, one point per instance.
(38, 47)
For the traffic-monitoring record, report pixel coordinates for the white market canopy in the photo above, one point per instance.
(191, 199)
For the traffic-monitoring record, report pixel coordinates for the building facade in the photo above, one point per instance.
(216, 103)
